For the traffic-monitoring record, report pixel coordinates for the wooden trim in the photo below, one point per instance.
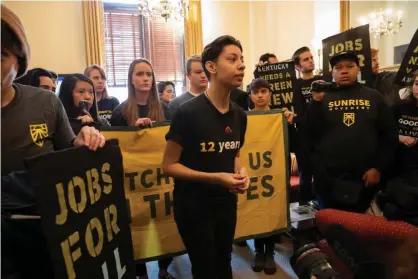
(344, 15)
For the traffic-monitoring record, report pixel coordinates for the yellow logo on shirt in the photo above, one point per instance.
(349, 118)
(38, 132)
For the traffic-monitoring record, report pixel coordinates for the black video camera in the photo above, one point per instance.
(309, 261)
(323, 86)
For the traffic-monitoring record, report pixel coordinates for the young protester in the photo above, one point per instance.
(105, 103)
(207, 175)
(267, 58)
(38, 78)
(167, 91)
(264, 247)
(75, 89)
(353, 135)
(143, 105)
(27, 109)
(399, 201)
(142, 108)
(198, 83)
(305, 64)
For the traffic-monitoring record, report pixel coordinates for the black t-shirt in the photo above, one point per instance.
(406, 116)
(211, 141)
(304, 85)
(118, 119)
(106, 107)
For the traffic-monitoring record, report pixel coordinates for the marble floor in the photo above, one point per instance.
(242, 258)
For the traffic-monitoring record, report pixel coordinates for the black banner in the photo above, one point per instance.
(357, 40)
(84, 213)
(409, 62)
(282, 78)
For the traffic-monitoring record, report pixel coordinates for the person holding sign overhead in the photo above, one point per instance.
(353, 135)
(202, 154)
(33, 122)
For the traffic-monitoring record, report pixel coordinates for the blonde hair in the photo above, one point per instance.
(155, 111)
(89, 69)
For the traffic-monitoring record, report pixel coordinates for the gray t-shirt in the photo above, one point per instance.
(34, 123)
(178, 101)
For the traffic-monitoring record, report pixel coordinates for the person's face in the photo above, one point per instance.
(9, 68)
(273, 60)
(98, 80)
(375, 64)
(260, 97)
(47, 83)
(345, 72)
(83, 91)
(415, 88)
(142, 77)
(168, 93)
(197, 76)
(306, 61)
(229, 67)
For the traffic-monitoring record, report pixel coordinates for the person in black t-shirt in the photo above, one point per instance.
(105, 103)
(25, 111)
(143, 106)
(202, 154)
(74, 89)
(305, 64)
(354, 137)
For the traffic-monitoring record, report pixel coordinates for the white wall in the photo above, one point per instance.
(55, 33)
(386, 44)
(279, 27)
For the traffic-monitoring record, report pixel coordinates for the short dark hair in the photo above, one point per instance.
(163, 84)
(265, 57)
(298, 52)
(190, 60)
(215, 48)
(54, 74)
(258, 84)
(65, 94)
(32, 77)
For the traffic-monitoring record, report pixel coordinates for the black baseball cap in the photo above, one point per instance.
(258, 84)
(348, 55)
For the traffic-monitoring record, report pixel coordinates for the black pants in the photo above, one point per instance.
(265, 244)
(207, 230)
(141, 269)
(24, 250)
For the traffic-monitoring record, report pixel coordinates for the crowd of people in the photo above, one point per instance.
(356, 146)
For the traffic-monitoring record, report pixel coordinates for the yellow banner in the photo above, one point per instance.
(263, 209)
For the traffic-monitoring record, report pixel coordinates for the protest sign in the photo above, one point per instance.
(281, 77)
(357, 40)
(409, 62)
(84, 213)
